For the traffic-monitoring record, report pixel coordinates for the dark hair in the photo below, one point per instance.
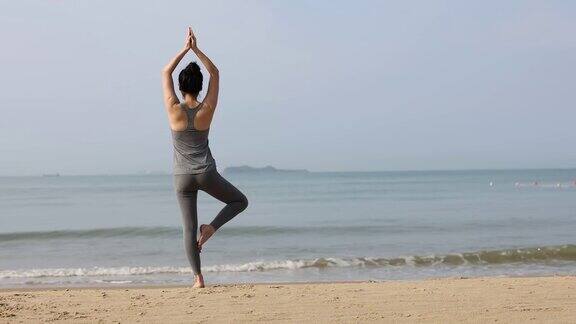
(190, 79)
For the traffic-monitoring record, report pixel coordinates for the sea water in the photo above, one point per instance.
(317, 226)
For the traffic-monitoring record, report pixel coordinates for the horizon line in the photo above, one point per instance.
(159, 173)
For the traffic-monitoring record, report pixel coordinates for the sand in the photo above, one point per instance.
(478, 300)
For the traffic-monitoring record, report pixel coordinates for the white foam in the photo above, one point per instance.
(135, 271)
(89, 272)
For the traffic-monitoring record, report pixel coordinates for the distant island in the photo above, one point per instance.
(265, 170)
(51, 175)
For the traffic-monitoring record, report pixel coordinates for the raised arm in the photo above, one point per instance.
(171, 102)
(206, 112)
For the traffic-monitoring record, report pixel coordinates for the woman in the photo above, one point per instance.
(194, 166)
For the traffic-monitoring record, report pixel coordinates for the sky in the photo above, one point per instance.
(319, 85)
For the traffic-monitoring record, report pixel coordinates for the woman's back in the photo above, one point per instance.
(191, 150)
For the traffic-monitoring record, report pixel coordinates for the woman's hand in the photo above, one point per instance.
(190, 40)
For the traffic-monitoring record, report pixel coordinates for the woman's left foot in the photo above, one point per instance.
(206, 231)
(198, 282)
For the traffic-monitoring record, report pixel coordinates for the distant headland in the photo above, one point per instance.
(265, 170)
(51, 174)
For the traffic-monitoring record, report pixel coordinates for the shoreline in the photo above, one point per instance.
(182, 286)
(208, 285)
(486, 299)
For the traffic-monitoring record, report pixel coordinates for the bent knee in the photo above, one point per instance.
(243, 202)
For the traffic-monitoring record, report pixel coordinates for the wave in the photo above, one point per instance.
(492, 257)
(90, 233)
(165, 231)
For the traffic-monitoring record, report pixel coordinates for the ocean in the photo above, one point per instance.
(299, 227)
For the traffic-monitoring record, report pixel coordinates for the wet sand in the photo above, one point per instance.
(478, 300)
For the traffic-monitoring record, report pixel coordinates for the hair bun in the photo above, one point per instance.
(193, 67)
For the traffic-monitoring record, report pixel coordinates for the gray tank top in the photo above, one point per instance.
(191, 152)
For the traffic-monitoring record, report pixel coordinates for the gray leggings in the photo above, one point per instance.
(211, 182)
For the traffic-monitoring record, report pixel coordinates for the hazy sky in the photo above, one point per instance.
(322, 85)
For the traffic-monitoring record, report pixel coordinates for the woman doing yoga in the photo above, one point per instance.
(194, 166)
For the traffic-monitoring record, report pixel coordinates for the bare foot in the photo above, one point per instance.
(198, 281)
(206, 231)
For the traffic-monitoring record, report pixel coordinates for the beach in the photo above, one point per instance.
(149, 149)
(342, 247)
(447, 300)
